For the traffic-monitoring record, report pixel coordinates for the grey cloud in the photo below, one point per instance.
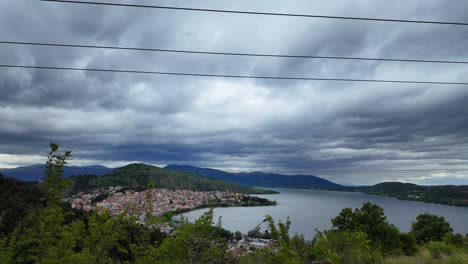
(282, 126)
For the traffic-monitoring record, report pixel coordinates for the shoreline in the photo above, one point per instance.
(369, 193)
(187, 210)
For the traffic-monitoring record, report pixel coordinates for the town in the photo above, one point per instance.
(158, 201)
(117, 200)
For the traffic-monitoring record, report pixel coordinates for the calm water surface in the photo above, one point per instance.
(312, 209)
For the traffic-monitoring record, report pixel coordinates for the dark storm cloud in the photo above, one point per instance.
(282, 126)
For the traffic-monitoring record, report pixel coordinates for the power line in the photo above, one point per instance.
(231, 76)
(260, 13)
(230, 53)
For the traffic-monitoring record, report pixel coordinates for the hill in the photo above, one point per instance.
(444, 194)
(139, 176)
(17, 199)
(262, 179)
(395, 188)
(36, 172)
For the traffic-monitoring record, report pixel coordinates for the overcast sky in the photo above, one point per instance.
(233, 124)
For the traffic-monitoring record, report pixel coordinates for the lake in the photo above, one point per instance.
(313, 209)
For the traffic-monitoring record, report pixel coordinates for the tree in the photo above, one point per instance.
(54, 184)
(238, 235)
(283, 250)
(198, 242)
(17, 200)
(409, 245)
(44, 236)
(342, 247)
(280, 233)
(371, 220)
(430, 227)
(105, 237)
(345, 220)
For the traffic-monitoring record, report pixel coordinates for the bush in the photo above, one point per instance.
(409, 245)
(439, 249)
(430, 228)
(371, 220)
(343, 247)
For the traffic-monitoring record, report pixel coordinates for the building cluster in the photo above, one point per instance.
(156, 201)
(85, 201)
(249, 244)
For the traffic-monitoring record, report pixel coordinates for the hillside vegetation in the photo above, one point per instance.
(446, 194)
(139, 176)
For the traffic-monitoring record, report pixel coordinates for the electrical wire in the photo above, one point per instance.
(231, 76)
(259, 13)
(229, 53)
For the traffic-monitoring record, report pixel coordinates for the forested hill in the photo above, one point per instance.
(444, 194)
(262, 179)
(139, 176)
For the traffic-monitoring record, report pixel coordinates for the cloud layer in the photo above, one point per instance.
(238, 125)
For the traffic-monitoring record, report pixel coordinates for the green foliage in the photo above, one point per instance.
(44, 238)
(371, 220)
(430, 228)
(343, 247)
(447, 194)
(285, 250)
(287, 253)
(409, 245)
(439, 249)
(54, 185)
(280, 233)
(456, 239)
(256, 233)
(199, 242)
(17, 199)
(435, 252)
(396, 188)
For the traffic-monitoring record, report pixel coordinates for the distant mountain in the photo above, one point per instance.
(36, 172)
(262, 179)
(139, 176)
(443, 194)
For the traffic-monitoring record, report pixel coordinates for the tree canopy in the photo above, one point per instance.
(430, 227)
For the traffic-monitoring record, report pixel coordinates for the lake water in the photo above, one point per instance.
(313, 209)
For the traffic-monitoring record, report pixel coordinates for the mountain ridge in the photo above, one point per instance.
(139, 176)
(261, 179)
(35, 172)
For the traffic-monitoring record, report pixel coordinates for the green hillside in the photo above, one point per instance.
(395, 188)
(138, 176)
(445, 194)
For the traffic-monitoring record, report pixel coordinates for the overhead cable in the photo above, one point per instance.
(260, 13)
(228, 53)
(230, 76)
